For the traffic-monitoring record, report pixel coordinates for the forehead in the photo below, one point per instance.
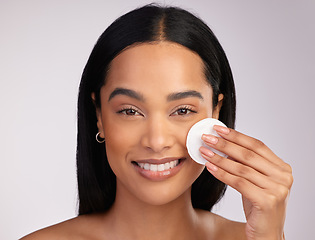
(157, 66)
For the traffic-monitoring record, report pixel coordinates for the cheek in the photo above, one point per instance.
(181, 131)
(119, 140)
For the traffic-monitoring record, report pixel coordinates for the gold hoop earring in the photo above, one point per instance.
(98, 138)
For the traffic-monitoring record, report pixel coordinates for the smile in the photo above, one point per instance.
(159, 167)
(158, 170)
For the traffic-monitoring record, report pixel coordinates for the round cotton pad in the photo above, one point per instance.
(194, 141)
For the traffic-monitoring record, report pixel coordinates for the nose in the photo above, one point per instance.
(157, 135)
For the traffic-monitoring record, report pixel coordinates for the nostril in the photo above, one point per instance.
(157, 135)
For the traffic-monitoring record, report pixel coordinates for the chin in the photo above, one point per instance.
(170, 190)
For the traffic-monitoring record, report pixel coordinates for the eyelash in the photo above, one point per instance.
(136, 112)
(124, 111)
(188, 108)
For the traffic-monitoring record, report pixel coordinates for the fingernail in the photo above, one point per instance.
(206, 151)
(211, 167)
(209, 139)
(221, 129)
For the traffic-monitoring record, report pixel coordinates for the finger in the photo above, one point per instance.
(263, 198)
(239, 153)
(250, 159)
(252, 144)
(242, 185)
(238, 169)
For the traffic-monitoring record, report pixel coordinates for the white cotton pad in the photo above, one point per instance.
(194, 141)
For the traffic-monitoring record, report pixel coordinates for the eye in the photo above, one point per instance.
(183, 111)
(129, 112)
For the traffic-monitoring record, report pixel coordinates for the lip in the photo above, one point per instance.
(157, 161)
(159, 175)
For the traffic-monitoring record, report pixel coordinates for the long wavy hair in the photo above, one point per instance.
(151, 23)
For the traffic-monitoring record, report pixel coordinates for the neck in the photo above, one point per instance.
(136, 219)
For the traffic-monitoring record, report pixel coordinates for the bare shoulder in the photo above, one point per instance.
(81, 227)
(221, 228)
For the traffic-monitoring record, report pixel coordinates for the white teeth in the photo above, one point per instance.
(167, 165)
(158, 167)
(153, 167)
(141, 165)
(146, 166)
(172, 164)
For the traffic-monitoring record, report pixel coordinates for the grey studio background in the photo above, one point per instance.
(44, 46)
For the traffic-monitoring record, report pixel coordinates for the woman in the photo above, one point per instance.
(152, 74)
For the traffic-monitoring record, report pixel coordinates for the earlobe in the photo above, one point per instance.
(216, 110)
(100, 127)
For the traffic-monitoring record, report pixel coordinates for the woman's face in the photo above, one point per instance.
(153, 94)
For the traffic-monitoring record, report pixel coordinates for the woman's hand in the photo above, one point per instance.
(262, 178)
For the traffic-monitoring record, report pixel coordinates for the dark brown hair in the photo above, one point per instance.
(151, 23)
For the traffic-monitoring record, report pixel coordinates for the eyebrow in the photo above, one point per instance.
(186, 94)
(126, 92)
(170, 97)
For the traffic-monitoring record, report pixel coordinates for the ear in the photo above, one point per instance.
(216, 110)
(99, 117)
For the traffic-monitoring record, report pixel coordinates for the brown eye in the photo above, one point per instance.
(183, 111)
(130, 112)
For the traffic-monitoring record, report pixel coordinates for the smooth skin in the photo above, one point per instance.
(262, 178)
(153, 94)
